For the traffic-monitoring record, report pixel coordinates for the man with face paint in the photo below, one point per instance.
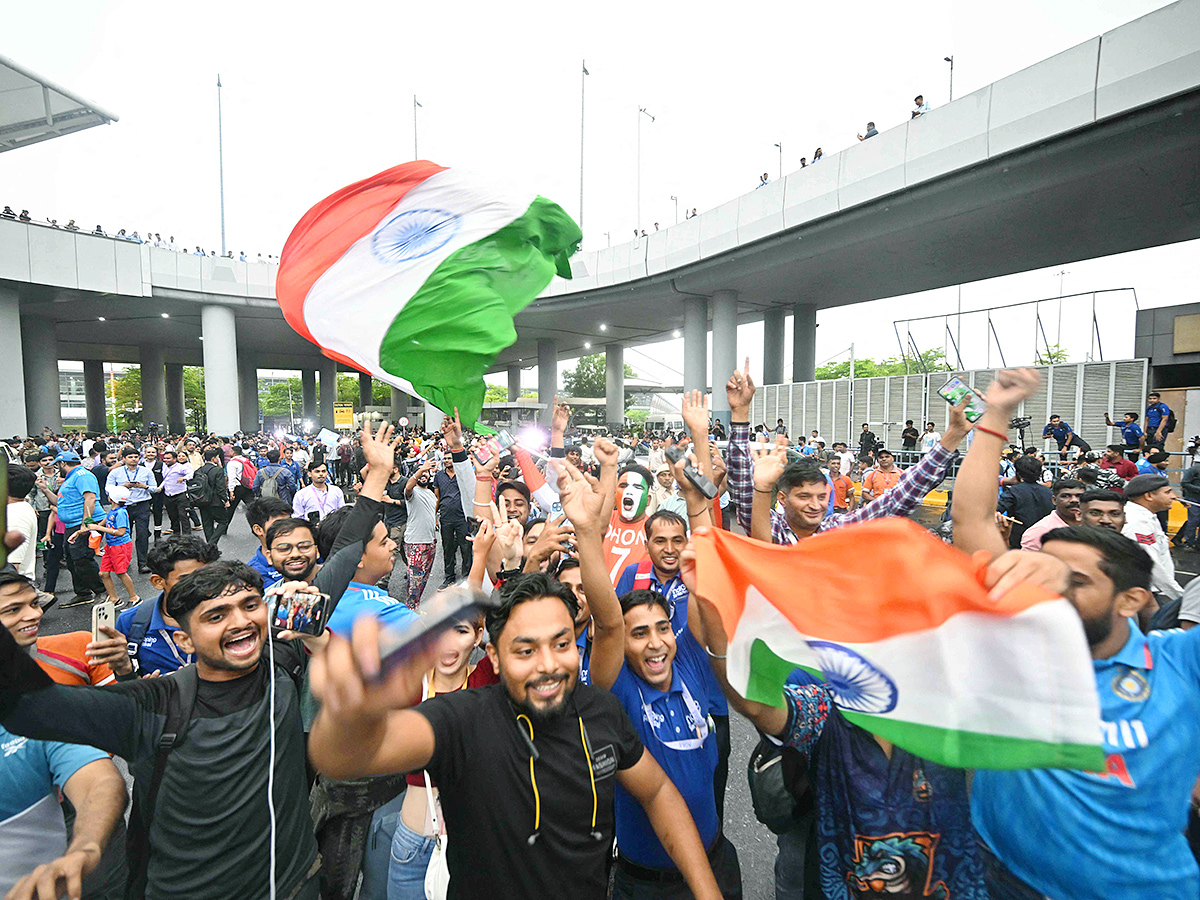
(625, 540)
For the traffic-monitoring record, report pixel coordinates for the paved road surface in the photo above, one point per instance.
(755, 844)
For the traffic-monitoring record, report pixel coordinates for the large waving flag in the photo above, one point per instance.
(414, 275)
(899, 627)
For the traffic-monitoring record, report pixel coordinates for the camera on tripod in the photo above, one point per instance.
(1020, 423)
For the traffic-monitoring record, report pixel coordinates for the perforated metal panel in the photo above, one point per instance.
(825, 405)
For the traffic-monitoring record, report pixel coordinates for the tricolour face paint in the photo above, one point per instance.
(632, 496)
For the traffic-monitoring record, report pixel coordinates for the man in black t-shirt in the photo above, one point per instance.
(910, 436)
(543, 749)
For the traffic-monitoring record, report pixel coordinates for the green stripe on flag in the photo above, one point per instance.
(949, 747)
(451, 330)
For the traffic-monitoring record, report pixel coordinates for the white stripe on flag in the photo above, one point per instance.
(1023, 676)
(351, 306)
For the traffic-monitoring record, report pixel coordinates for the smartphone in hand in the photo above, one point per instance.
(458, 603)
(953, 392)
(303, 612)
(104, 615)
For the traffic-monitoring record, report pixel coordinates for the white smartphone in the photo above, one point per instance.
(103, 614)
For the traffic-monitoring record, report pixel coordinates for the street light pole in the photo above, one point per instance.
(950, 59)
(221, 162)
(641, 112)
(676, 199)
(1058, 336)
(582, 97)
(780, 146)
(416, 105)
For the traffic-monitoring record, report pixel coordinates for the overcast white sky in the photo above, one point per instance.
(318, 95)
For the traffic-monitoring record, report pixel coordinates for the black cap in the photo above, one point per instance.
(1144, 484)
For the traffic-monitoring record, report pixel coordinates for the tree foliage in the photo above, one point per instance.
(933, 360)
(498, 393)
(128, 397)
(587, 378)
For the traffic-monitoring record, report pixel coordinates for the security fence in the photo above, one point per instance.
(1079, 392)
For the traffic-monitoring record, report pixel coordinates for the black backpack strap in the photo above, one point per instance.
(181, 700)
(142, 615)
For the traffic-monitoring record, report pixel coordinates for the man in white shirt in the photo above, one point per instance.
(1146, 496)
(320, 497)
(847, 458)
(922, 106)
(22, 518)
(930, 438)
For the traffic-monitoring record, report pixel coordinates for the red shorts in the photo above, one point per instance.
(117, 559)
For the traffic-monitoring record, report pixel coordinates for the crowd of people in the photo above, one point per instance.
(569, 735)
(152, 238)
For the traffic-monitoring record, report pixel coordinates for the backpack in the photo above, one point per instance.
(780, 790)
(199, 488)
(249, 472)
(142, 614)
(1171, 422)
(270, 483)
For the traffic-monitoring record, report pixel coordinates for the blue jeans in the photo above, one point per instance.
(410, 859)
(797, 868)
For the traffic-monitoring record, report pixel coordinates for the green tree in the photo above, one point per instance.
(275, 399)
(498, 393)
(934, 360)
(1058, 354)
(587, 378)
(129, 398)
(196, 410)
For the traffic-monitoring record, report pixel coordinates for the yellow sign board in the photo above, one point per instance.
(343, 415)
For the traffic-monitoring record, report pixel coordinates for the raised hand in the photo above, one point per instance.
(452, 430)
(561, 417)
(380, 448)
(582, 497)
(739, 390)
(606, 452)
(1010, 387)
(695, 412)
(556, 537)
(769, 463)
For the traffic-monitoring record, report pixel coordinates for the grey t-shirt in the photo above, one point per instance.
(421, 510)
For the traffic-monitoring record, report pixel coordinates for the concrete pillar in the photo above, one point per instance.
(94, 394)
(547, 349)
(39, 355)
(364, 389)
(399, 405)
(514, 383)
(328, 391)
(614, 384)
(773, 335)
(804, 342)
(308, 389)
(220, 369)
(176, 405)
(724, 349)
(12, 374)
(248, 395)
(695, 344)
(154, 390)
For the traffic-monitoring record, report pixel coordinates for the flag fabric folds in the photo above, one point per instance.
(899, 627)
(415, 274)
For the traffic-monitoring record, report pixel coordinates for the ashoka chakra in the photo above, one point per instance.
(856, 684)
(413, 234)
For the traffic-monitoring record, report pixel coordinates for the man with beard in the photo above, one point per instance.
(548, 751)
(1066, 493)
(1092, 835)
(208, 838)
(625, 540)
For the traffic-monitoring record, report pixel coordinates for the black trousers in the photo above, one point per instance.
(241, 494)
(454, 541)
(177, 509)
(634, 883)
(139, 521)
(85, 569)
(215, 520)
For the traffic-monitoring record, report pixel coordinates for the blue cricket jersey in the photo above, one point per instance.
(1118, 833)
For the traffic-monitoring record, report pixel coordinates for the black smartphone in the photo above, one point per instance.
(302, 612)
(694, 475)
(455, 604)
(314, 517)
(473, 524)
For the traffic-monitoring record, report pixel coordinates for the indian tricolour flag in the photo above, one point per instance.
(414, 275)
(901, 630)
